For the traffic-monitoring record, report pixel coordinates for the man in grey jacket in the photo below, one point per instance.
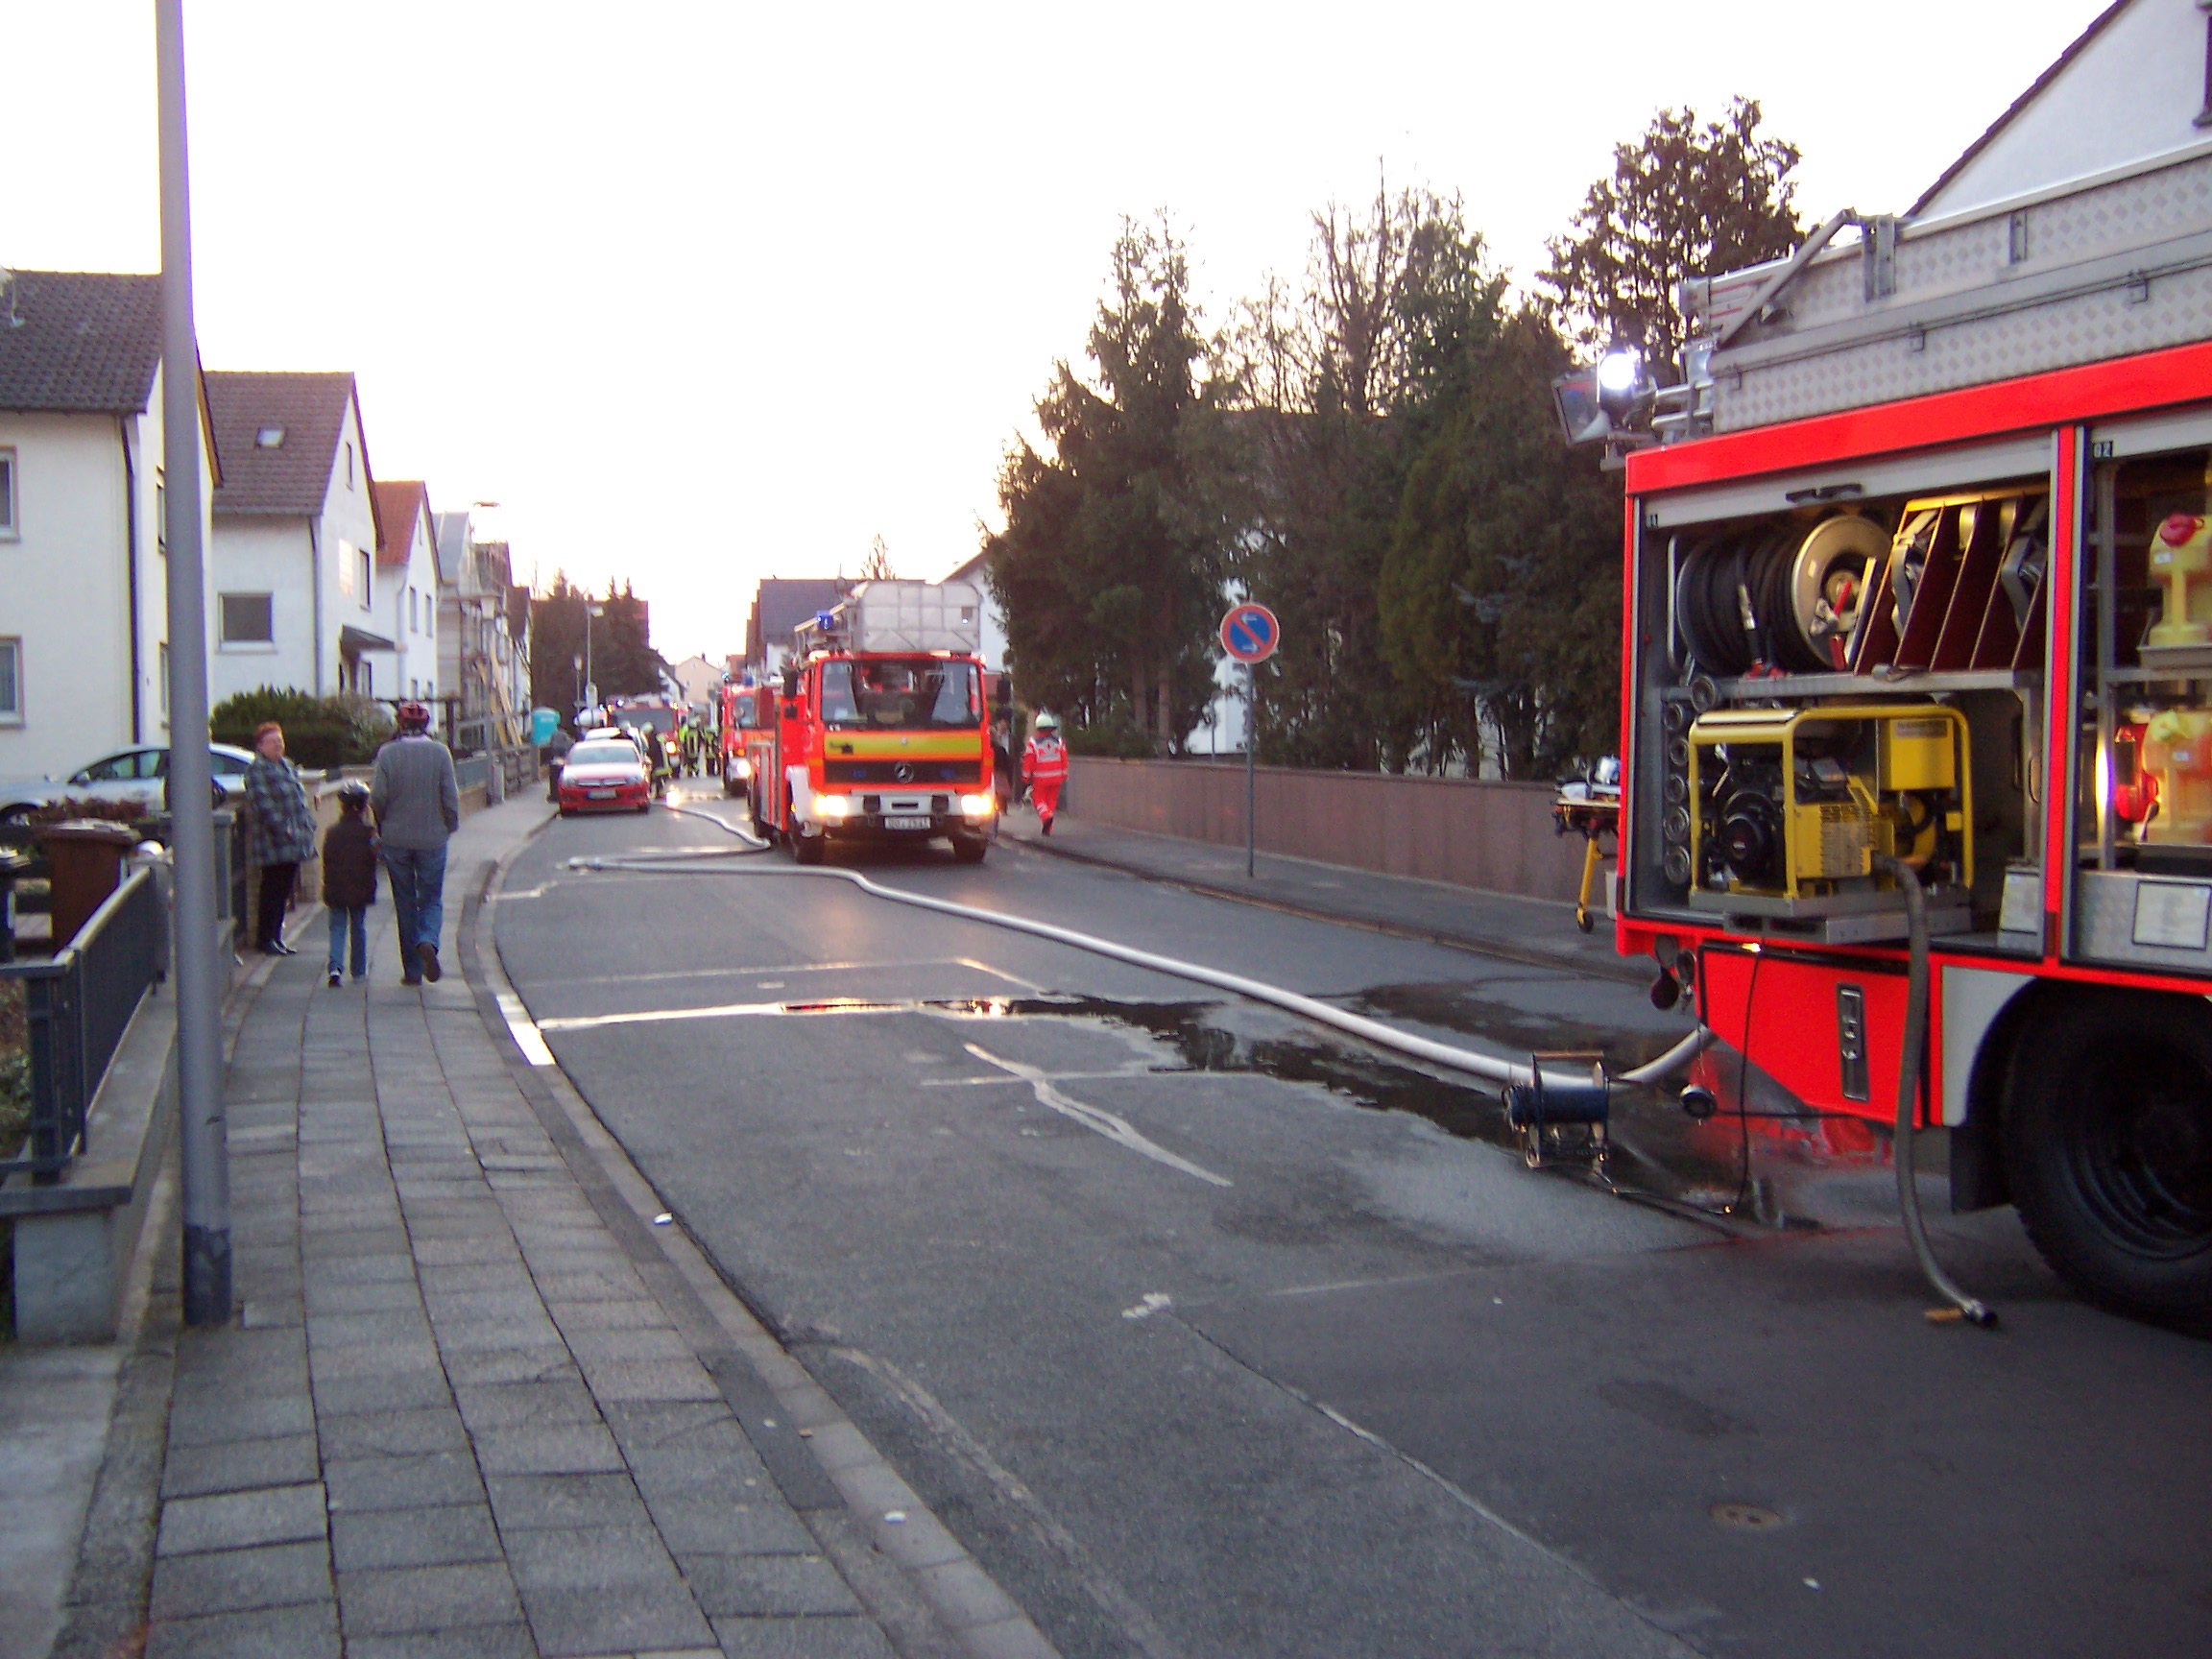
(417, 805)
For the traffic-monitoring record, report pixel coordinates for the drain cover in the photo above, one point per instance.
(1744, 1518)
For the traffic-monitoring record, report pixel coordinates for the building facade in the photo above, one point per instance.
(292, 570)
(84, 585)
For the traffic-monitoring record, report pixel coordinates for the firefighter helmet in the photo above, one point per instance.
(1047, 722)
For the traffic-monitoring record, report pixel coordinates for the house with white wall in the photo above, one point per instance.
(84, 585)
(291, 571)
(406, 590)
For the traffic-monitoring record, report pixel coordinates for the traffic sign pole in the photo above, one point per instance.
(1250, 633)
(1250, 748)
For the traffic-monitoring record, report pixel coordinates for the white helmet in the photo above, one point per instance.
(1047, 722)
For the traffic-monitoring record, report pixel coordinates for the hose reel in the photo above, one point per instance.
(1788, 598)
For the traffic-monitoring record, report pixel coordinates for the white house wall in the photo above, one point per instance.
(416, 659)
(66, 586)
(268, 554)
(2132, 93)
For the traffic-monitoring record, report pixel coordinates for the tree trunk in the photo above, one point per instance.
(1137, 697)
(1165, 732)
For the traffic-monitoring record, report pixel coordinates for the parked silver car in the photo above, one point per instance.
(133, 775)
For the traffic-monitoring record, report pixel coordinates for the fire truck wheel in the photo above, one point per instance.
(969, 849)
(2108, 1147)
(808, 849)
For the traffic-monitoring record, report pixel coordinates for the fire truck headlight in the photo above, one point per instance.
(977, 805)
(833, 805)
(740, 767)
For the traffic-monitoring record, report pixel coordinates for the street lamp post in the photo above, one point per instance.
(204, 1174)
(590, 681)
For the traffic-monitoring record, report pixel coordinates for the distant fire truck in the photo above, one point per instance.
(1919, 594)
(736, 710)
(878, 731)
(660, 716)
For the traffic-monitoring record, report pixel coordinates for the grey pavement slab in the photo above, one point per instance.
(238, 1520)
(454, 1419)
(304, 1632)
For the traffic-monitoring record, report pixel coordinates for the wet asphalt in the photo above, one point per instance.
(1210, 1332)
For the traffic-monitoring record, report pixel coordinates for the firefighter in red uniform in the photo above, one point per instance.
(1044, 766)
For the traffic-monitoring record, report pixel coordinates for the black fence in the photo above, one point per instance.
(76, 1007)
(230, 874)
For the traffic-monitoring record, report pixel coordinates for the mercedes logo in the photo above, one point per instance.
(903, 773)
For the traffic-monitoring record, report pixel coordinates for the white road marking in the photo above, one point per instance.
(1154, 1302)
(745, 973)
(1116, 1129)
(527, 1036)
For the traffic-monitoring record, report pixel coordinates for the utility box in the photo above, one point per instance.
(905, 617)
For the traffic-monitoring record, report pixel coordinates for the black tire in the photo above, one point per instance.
(969, 849)
(808, 849)
(566, 813)
(2108, 1137)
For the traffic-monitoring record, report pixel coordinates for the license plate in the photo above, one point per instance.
(599, 794)
(905, 823)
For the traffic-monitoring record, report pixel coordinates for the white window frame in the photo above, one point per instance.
(11, 496)
(12, 653)
(224, 640)
(366, 575)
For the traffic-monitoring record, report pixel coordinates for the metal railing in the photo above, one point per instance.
(78, 1005)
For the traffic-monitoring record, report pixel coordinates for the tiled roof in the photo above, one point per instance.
(293, 476)
(399, 504)
(781, 604)
(79, 339)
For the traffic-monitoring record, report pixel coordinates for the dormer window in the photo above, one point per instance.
(271, 437)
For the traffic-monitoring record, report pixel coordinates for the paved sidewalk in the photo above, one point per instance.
(1536, 930)
(463, 1412)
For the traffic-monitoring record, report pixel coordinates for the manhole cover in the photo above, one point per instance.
(1744, 1518)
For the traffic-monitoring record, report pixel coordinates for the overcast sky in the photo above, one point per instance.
(703, 293)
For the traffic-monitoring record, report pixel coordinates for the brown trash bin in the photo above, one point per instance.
(84, 866)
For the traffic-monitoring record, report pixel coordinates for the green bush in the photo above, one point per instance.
(319, 732)
(1113, 742)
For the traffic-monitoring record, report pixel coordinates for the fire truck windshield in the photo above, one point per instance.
(901, 694)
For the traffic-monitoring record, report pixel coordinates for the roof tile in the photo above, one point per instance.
(79, 339)
(293, 476)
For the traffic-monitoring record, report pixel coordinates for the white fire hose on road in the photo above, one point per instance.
(1374, 1032)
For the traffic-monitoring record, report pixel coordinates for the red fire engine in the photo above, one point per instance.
(736, 709)
(878, 728)
(1919, 597)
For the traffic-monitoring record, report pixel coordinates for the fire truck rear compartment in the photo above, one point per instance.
(1822, 685)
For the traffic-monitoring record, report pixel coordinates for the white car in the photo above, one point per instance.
(133, 775)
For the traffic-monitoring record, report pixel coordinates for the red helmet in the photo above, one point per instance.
(414, 716)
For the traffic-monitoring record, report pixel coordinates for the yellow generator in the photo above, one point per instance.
(1791, 807)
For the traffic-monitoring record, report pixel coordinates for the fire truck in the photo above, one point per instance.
(1918, 561)
(877, 730)
(736, 709)
(660, 716)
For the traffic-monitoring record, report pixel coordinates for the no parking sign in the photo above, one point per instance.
(1250, 632)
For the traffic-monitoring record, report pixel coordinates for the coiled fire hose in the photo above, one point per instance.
(1911, 1070)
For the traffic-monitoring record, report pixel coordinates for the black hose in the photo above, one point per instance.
(1911, 1069)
